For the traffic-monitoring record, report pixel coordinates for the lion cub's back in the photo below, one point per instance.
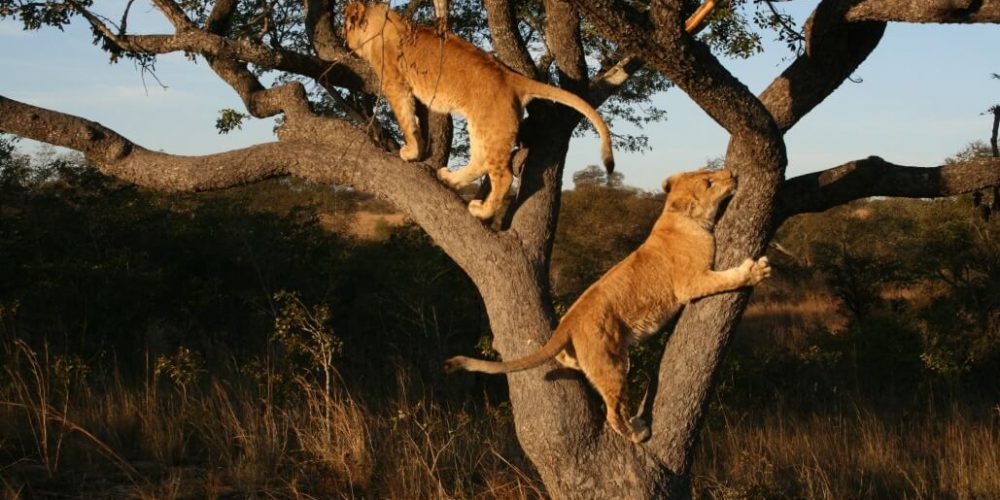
(638, 284)
(460, 78)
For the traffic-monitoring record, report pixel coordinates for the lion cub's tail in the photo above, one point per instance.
(548, 351)
(530, 89)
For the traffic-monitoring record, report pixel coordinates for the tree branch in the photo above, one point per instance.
(610, 80)
(506, 38)
(221, 17)
(342, 71)
(874, 176)
(562, 37)
(607, 83)
(924, 11)
(322, 150)
(834, 49)
(175, 15)
(661, 40)
(329, 46)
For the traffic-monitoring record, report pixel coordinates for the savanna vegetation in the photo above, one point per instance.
(332, 325)
(259, 342)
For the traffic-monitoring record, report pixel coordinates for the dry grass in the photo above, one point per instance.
(158, 442)
(791, 324)
(851, 456)
(365, 225)
(184, 434)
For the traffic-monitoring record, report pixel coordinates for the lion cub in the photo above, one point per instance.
(450, 75)
(640, 294)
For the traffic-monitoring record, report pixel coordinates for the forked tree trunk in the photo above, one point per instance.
(559, 419)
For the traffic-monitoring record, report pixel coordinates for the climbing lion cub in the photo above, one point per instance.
(641, 293)
(451, 75)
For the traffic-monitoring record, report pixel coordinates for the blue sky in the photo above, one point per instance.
(921, 99)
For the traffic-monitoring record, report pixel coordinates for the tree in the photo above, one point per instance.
(333, 139)
(995, 110)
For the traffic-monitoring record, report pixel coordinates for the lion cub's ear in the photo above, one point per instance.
(666, 184)
(354, 15)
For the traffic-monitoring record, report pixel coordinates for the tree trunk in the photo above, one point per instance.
(996, 127)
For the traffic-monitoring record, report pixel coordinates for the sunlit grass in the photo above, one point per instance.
(218, 438)
(855, 455)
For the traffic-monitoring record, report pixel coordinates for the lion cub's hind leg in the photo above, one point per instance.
(607, 371)
(500, 181)
(495, 141)
(567, 358)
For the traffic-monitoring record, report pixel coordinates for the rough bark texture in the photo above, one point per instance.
(559, 422)
(506, 38)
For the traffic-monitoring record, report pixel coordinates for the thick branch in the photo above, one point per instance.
(607, 83)
(241, 79)
(319, 149)
(330, 48)
(925, 11)
(320, 30)
(506, 38)
(834, 49)
(661, 40)
(118, 156)
(174, 14)
(342, 70)
(874, 176)
(562, 37)
(221, 16)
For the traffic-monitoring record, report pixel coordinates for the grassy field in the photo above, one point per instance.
(147, 349)
(184, 432)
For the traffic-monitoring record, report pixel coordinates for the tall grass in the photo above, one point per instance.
(221, 439)
(286, 426)
(822, 434)
(850, 455)
(281, 427)
(227, 439)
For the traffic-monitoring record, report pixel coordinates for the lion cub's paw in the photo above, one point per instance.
(479, 210)
(640, 429)
(759, 271)
(445, 176)
(409, 152)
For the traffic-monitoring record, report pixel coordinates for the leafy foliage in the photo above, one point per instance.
(229, 120)
(734, 30)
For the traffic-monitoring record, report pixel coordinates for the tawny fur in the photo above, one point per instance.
(640, 294)
(450, 75)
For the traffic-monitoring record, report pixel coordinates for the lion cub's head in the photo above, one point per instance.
(356, 25)
(698, 194)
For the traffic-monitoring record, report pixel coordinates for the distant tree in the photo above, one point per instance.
(995, 110)
(975, 150)
(597, 176)
(599, 224)
(613, 53)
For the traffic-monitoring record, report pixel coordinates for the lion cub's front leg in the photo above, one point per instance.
(749, 273)
(404, 106)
